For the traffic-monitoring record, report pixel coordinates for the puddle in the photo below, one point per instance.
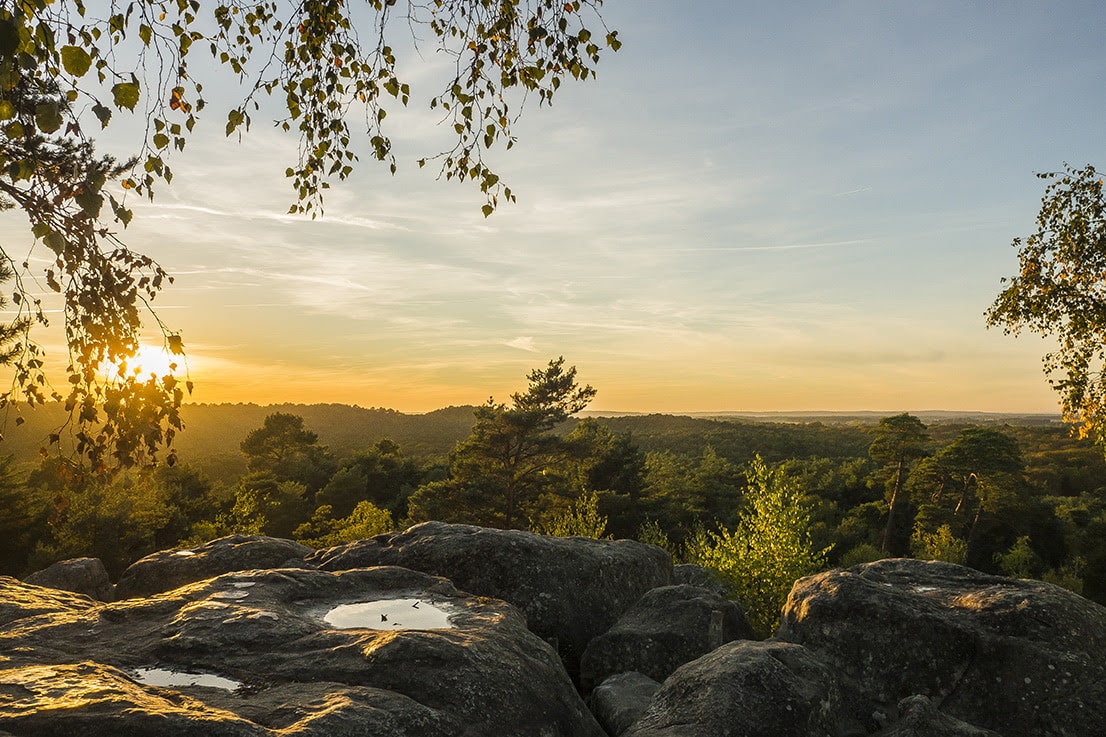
(389, 614)
(175, 679)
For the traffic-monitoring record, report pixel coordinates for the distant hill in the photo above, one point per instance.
(214, 432)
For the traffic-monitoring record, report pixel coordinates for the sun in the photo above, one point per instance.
(146, 361)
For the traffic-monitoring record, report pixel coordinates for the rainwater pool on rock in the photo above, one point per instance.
(389, 614)
(175, 679)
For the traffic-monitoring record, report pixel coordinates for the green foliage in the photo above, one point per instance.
(689, 491)
(120, 520)
(863, 553)
(1020, 561)
(512, 457)
(266, 505)
(769, 550)
(323, 530)
(1059, 291)
(382, 475)
(288, 451)
(652, 533)
(896, 442)
(580, 519)
(940, 545)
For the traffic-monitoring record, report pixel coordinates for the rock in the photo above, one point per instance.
(621, 699)
(21, 600)
(1017, 657)
(667, 627)
(169, 569)
(746, 689)
(80, 575)
(697, 575)
(272, 662)
(569, 589)
(88, 698)
(919, 718)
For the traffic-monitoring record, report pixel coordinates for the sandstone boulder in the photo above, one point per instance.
(667, 627)
(621, 699)
(168, 569)
(1017, 657)
(918, 717)
(745, 689)
(569, 589)
(80, 575)
(267, 652)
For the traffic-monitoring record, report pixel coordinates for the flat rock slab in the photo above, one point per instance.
(72, 665)
(1021, 658)
(569, 589)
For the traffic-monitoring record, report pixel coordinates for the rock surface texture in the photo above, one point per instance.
(745, 689)
(80, 575)
(620, 700)
(667, 627)
(370, 638)
(168, 569)
(72, 666)
(570, 589)
(1017, 657)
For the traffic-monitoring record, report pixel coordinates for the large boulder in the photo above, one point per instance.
(667, 627)
(569, 589)
(1017, 657)
(80, 575)
(621, 699)
(745, 689)
(169, 569)
(275, 652)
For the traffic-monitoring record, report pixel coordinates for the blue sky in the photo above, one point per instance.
(801, 206)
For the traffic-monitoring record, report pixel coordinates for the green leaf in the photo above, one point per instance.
(7, 110)
(55, 242)
(48, 117)
(103, 114)
(75, 60)
(161, 140)
(125, 94)
(487, 210)
(90, 203)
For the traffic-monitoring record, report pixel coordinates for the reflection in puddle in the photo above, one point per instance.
(389, 614)
(175, 679)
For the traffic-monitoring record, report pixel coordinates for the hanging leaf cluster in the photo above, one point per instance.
(68, 65)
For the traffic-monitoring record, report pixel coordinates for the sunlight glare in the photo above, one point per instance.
(150, 359)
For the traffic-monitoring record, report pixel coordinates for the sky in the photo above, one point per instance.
(754, 207)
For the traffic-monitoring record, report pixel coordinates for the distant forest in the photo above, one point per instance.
(1012, 495)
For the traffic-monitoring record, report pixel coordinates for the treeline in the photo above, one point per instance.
(1023, 500)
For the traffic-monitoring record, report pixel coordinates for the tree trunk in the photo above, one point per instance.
(890, 543)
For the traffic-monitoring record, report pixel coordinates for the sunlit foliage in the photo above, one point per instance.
(1059, 290)
(581, 518)
(767, 552)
